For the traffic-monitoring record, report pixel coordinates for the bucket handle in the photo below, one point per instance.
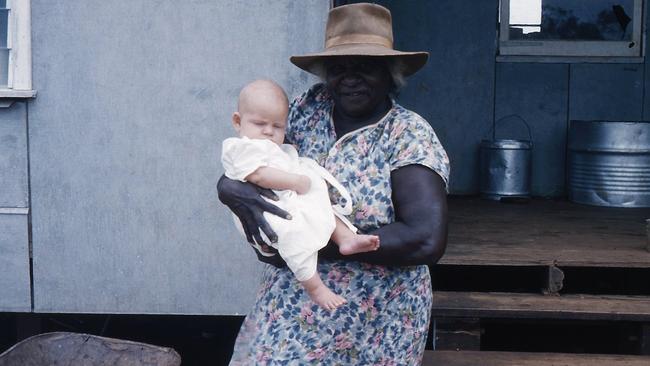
(494, 126)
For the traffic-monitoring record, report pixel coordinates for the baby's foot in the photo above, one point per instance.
(325, 298)
(358, 243)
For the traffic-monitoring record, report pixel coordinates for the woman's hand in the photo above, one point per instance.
(246, 202)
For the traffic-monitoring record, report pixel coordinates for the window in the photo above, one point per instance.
(571, 28)
(15, 49)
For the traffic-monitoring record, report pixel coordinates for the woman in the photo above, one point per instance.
(392, 163)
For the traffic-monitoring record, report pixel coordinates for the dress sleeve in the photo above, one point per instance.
(301, 110)
(241, 156)
(296, 117)
(292, 119)
(415, 142)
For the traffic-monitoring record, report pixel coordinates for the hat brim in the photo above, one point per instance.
(412, 61)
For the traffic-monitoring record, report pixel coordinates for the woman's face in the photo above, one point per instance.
(358, 84)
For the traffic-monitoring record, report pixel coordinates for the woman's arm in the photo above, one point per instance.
(419, 233)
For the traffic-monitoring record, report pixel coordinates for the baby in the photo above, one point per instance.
(260, 157)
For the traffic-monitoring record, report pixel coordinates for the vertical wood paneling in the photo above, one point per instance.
(606, 92)
(455, 90)
(646, 68)
(537, 93)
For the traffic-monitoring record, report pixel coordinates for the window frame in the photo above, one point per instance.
(19, 41)
(542, 48)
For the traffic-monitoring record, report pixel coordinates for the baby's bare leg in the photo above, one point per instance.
(322, 295)
(351, 243)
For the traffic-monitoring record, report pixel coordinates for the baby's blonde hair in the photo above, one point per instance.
(261, 85)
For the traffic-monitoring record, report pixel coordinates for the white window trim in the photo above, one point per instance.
(571, 48)
(20, 57)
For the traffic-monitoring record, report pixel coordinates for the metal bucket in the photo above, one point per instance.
(609, 163)
(505, 167)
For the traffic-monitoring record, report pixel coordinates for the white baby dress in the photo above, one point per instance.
(312, 223)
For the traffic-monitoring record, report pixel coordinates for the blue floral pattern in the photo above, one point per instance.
(385, 321)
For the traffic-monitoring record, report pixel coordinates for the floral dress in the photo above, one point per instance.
(385, 320)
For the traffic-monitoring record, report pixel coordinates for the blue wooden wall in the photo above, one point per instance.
(455, 90)
(463, 90)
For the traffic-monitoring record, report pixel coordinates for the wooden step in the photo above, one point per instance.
(534, 306)
(484, 358)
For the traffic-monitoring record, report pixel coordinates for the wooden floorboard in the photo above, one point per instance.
(533, 306)
(483, 358)
(545, 232)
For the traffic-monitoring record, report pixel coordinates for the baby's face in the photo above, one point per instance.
(262, 121)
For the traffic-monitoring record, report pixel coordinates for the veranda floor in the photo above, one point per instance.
(545, 232)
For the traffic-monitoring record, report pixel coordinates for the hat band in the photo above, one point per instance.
(359, 38)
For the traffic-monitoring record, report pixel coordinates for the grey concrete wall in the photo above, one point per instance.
(14, 261)
(13, 156)
(14, 199)
(134, 99)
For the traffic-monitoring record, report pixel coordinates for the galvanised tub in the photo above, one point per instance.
(609, 163)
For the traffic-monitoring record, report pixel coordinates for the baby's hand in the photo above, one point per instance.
(303, 183)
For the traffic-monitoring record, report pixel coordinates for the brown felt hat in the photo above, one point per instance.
(360, 30)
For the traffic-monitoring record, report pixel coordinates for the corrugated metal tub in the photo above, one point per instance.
(609, 163)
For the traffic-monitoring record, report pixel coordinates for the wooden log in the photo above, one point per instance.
(62, 348)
